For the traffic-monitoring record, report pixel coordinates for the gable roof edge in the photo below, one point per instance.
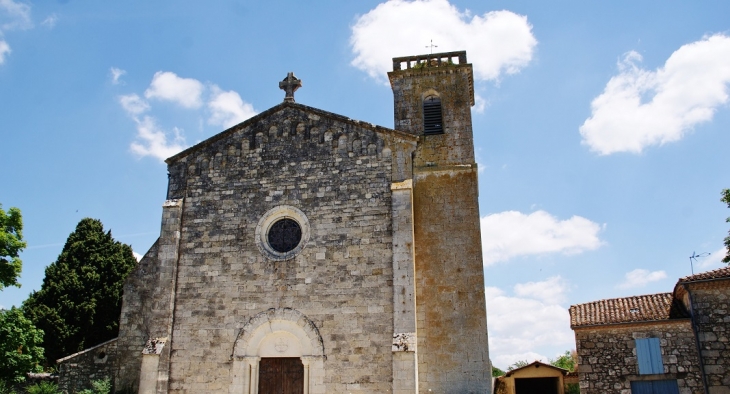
(536, 363)
(716, 275)
(302, 107)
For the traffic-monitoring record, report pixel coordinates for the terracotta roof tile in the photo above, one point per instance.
(644, 308)
(721, 273)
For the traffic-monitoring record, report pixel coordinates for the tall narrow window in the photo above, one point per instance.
(649, 356)
(432, 119)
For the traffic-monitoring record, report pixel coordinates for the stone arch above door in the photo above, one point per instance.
(263, 331)
(277, 332)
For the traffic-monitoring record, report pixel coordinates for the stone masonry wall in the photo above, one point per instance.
(453, 350)
(77, 371)
(710, 306)
(453, 356)
(336, 172)
(147, 303)
(452, 85)
(607, 357)
(134, 320)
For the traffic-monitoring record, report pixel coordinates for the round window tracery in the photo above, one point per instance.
(284, 235)
(282, 232)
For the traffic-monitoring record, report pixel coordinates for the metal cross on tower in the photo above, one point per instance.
(432, 46)
(290, 84)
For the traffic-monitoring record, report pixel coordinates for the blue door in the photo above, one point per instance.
(641, 388)
(655, 387)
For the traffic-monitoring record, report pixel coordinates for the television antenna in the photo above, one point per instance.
(694, 258)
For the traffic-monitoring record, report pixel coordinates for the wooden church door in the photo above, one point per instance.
(281, 376)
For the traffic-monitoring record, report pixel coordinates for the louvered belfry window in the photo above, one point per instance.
(432, 119)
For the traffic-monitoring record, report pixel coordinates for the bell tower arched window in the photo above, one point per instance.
(432, 118)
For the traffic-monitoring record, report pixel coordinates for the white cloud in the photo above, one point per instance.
(640, 278)
(479, 104)
(168, 86)
(116, 74)
(222, 108)
(227, 108)
(551, 290)
(15, 15)
(526, 327)
(640, 108)
(155, 142)
(4, 50)
(497, 42)
(50, 21)
(137, 256)
(510, 234)
(133, 104)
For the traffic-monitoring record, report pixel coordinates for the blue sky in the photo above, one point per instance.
(600, 127)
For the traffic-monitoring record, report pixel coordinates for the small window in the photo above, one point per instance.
(432, 119)
(285, 235)
(649, 356)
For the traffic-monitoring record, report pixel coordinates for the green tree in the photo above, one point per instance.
(11, 244)
(518, 364)
(20, 346)
(496, 372)
(726, 199)
(80, 300)
(565, 361)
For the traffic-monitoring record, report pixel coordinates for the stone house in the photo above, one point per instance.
(305, 252)
(536, 377)
(659, 343)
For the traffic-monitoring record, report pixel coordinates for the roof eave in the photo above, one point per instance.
(574, 327)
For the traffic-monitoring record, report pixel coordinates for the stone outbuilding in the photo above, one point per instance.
(77, 371)
(305, 252)
(536, 377)
(659, 343)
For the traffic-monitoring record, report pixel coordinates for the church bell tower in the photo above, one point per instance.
(433, 96)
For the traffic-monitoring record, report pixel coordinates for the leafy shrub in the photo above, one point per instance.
(103, 386)
(43, 388)
(5, 388)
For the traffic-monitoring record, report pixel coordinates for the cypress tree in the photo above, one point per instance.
(80, 300)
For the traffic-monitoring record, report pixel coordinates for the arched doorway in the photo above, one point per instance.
(277, 349)
(281, 375)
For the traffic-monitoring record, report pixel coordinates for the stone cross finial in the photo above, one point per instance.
(290, 84)
(432, 46)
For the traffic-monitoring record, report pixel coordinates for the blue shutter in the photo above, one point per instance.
(649, 355)
(665, 387)
(641, 388)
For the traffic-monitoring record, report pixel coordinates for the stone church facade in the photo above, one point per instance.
(305, 252)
